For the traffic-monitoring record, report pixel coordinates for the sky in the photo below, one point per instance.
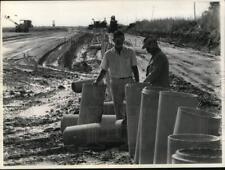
(80, 13)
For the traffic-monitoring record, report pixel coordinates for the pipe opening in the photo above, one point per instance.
(200, 152)
(193, 137)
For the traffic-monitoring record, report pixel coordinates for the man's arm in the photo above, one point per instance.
(136, 73)
(134, 65)
(104, 68)
(155, 72)
(100, 76)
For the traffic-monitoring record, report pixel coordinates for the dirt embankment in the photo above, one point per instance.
(36, 98)
(199, 41)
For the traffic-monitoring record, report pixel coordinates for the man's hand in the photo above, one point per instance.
(95, 82)
(100, 77)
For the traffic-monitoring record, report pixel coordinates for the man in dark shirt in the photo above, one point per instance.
(158, 68)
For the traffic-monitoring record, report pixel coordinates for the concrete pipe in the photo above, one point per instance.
(68, 120)
(167, 110)
(91, 105)
(148, 112)
(77, 85)
(182, 141)
(121, 130)
(108, 131)
(108, 108)
(137, 146)
(81, 134)
(72, 120)
(192, 120)
(197, 156)
(133, 99)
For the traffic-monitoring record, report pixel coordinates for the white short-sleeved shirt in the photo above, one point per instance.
(119, 65)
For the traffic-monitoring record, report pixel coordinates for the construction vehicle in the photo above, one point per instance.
(23, 26)
(113, 26)
(98, 24)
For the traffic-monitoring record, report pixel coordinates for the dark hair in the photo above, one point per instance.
(118, 33)
(151, 38)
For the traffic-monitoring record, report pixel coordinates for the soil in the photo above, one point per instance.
(38, 71)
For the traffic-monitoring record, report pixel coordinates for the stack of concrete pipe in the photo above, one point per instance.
(90, 127)
(168, 121)
(107, 131)
(198, 129)
(156, 121)
(161, 124)
(189, 140)
(108, 121)
(167, 111)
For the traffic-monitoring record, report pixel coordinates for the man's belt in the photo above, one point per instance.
(125, 77)
(121, 78)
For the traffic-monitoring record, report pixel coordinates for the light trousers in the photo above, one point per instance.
(118, 95)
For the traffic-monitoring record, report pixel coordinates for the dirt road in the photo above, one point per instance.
(38, 70)
(198, 68)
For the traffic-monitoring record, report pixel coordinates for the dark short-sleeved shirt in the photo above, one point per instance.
(158, 70)
(119, 65)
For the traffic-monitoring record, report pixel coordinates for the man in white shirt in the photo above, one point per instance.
(121, 63)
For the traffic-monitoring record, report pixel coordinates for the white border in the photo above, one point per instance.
(222, 26)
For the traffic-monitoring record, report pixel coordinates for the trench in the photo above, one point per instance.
(45, 56)
(64, 54)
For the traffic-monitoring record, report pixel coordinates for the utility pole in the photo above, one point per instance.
(53, 23)
(153, 8)
(194, 11)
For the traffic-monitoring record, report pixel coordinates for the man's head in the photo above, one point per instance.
(150, 43)
(118, 39)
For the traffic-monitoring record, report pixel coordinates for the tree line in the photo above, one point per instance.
(204, 30)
